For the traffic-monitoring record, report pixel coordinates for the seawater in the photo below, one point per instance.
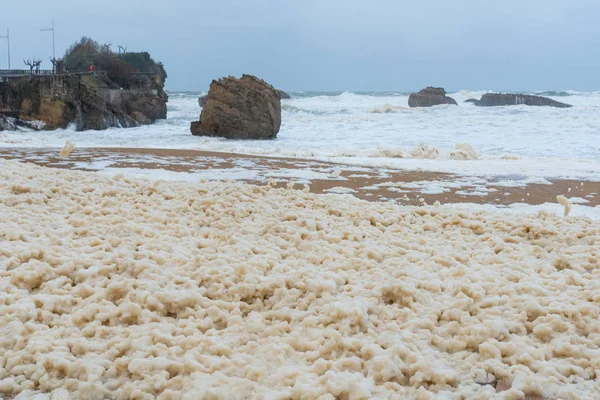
(379, 127)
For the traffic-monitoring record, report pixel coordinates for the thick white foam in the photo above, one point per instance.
(120, 288)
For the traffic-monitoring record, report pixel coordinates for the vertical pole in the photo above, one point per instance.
(53, 45)
(53, 42)
(8, 40)
(7, 37)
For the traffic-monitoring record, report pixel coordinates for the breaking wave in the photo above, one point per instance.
(462, 151)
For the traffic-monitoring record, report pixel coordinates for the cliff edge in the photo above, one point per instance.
(126, 91)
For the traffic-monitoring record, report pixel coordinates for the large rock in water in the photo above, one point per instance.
(282, 95)
(245, 108)
(508, 99)
(429, 97)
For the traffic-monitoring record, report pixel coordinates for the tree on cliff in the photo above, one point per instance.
(118, 67)
(35, 63)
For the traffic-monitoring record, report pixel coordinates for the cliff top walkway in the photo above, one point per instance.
(17, 73)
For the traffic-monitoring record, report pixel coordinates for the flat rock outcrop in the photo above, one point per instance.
(510, 99)
(430, 96)
(244, 108)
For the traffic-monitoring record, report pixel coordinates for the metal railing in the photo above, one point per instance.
(25, 72)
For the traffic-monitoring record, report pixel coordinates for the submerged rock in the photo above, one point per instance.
(245, 108)
(283, 95)
(510, 99)
(430, 96)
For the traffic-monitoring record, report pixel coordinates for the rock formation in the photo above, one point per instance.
(90, 101)
(245, 108)
(283, 95)
(430, 96)
(7, 124)
(509, 99)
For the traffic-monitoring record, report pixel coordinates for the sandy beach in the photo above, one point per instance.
(373, 184)
(118, 287)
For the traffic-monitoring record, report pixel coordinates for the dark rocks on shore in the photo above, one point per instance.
(509, 99)
(430, 96)
(245, 108)
(7, 124)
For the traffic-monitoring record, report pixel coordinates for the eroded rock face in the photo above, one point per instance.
(283, 96)
(245, 108)
(509, 99)
(89, 101)
(429, 97)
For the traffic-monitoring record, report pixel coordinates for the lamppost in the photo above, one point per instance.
(53, 46)
(7, 37)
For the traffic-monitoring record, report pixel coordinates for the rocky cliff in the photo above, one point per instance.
(88, 100)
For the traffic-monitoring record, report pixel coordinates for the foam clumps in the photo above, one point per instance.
(566, 203)
(463, 151)
(427, 152)
(131, 288)
(67, 149)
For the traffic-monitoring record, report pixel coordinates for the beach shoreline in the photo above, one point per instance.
(367, 183)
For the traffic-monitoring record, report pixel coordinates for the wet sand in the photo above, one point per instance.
(374, 184)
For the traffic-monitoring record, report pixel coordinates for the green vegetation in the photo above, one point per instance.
(118, 66)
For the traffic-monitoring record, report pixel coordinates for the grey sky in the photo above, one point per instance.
(332, 44)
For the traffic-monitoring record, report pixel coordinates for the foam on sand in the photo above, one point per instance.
(131, 288)
(67, 149)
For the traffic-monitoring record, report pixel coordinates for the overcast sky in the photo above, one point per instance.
(332, 44)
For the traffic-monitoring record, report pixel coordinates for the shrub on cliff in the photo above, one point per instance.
(119, 67)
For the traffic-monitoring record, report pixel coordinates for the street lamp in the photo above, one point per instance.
(51, 29)
(7, 37)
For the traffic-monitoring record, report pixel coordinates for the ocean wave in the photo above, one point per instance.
(299, 110)
(462, 151)
(389, 108)
(552, 93)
